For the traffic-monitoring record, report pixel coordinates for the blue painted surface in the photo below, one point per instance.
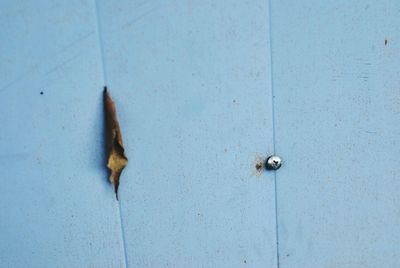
(337, 111)
(198, 107)
(192, 86)
(192, 81)
(56, 207)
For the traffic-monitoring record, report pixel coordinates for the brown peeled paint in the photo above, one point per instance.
(116, 159)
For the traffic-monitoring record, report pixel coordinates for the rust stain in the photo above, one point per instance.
(116, 160)
(258, 165)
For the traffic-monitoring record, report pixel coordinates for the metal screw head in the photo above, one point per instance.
(273, 162)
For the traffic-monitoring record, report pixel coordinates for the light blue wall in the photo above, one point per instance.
(337, 111)
(56, 206)
(204, 89)
(192, 80)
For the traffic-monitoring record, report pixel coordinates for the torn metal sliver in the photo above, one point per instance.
(116, 158)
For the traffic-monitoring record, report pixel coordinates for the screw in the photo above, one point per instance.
(273, 162)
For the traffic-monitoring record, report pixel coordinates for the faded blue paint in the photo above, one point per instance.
(56, 206)
(337, 111)
(194, 92)
(192, 81)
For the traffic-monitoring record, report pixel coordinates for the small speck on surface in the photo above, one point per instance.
(41, 92)
(259, 166)
(386, 42)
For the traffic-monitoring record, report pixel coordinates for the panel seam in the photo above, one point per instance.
(273, 130)
(103, 68)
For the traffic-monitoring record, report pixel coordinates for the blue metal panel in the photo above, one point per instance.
(192, 83)
(56, 207)
(337, 107)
